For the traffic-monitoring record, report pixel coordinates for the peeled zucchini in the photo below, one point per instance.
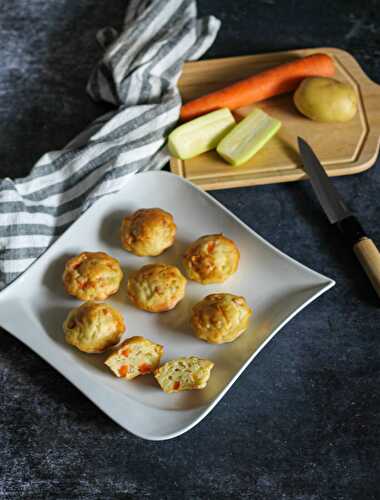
(201, 134)
(250, 135)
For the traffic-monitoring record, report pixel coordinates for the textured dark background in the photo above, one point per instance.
(303, 421)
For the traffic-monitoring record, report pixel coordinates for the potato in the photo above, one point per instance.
(325, 100)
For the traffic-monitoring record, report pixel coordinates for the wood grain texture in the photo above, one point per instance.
(369, 257)
(343, 148)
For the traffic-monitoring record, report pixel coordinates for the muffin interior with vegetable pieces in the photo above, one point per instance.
(148, 232)
(184, 374)
(92, 276)
(211, 259)
(93, 327)
(135, 356)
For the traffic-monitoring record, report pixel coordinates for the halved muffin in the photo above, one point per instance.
(135, 356)
(184, 374)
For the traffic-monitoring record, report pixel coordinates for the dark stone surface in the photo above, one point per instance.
(303, 420)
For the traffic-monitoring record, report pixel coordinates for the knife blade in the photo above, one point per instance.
(328, 196)
(340, 216)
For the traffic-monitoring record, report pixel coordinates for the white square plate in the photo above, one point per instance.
(275, 286)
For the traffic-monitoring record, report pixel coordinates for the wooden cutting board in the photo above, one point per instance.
(344, 149)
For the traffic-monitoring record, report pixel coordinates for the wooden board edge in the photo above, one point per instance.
(292, 175)
(344, 54)
(262, 56)
(177, 167)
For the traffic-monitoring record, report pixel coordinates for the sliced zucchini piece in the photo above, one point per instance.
(201, 134)
(249, 135)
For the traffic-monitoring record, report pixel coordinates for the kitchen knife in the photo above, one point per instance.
(339, 215)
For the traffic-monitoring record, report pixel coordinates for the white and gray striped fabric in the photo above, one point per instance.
(138, 74)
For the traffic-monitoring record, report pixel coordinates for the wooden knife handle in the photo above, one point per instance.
(369, 257)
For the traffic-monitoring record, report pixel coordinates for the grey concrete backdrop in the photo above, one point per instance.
(302, 423)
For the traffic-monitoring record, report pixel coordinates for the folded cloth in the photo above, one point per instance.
(138, 74)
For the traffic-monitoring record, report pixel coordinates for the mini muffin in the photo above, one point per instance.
(135, 356)
(184, 374)
(92, 276)
(156, 287)
(93, 327)
(211, 259)
(149, 231)
(220, 318)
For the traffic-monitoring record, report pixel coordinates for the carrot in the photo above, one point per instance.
(145, 368)
(123, 370)
(274, 81)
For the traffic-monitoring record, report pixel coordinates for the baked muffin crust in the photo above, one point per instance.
(148, 232)
(220, 318)
(93, 327)
(92, 276)
(156, 287)
(211, 259)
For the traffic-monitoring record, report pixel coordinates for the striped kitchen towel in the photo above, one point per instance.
(138, 74)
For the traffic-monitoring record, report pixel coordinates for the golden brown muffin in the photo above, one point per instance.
(220, 318)
(184, 374)
(148, 231)
(156, 287)
(211, 259)
(92, 276)
(135, 356)
(93, 327)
